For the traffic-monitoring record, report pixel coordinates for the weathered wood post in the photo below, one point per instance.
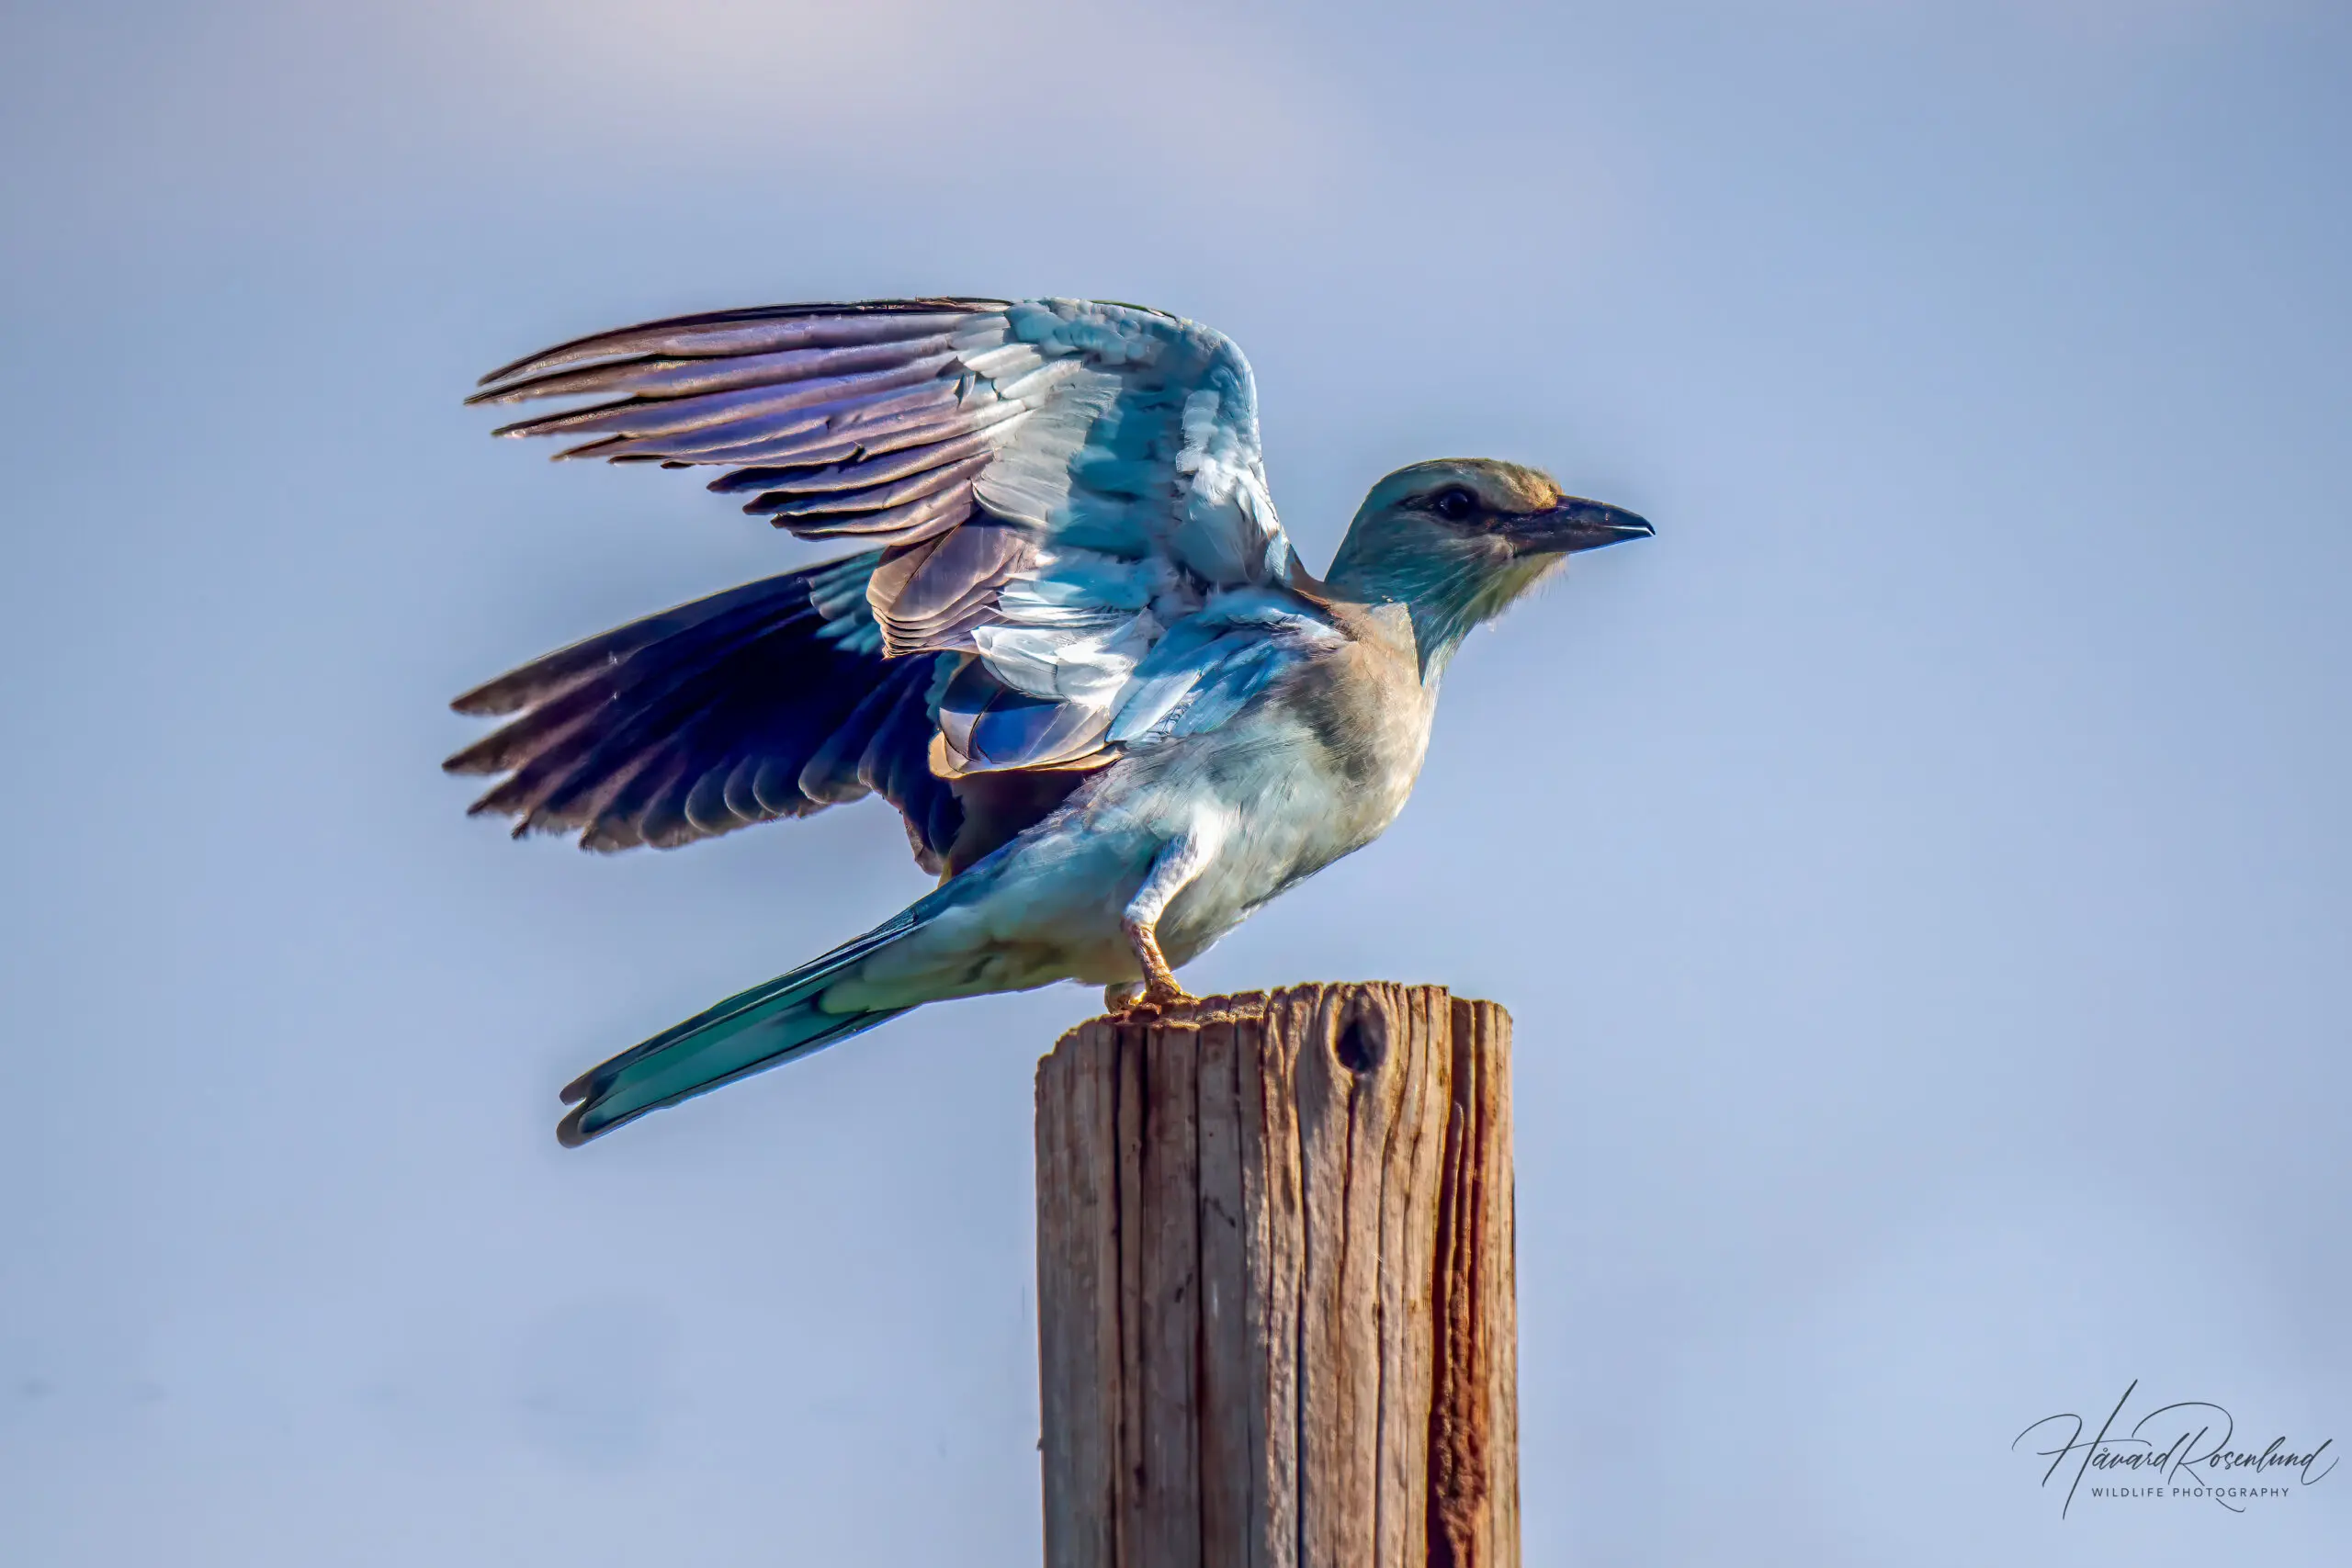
(1276, 1301)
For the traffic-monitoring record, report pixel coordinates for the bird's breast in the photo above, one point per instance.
(1368, 716)
(1316, 772)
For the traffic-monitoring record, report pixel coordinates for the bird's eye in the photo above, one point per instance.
(1454, 503)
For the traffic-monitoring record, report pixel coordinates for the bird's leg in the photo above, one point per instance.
(1159, 986)
(1176, 865)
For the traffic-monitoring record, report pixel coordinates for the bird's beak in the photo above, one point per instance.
(1575, 524)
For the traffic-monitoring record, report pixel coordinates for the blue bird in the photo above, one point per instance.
(1074, 647)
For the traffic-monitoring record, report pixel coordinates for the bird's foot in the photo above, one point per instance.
(1163, 992)
(1130, 996)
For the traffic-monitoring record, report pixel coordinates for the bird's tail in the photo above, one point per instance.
(764, 1027)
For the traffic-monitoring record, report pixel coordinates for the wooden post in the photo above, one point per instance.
(1276, 1304)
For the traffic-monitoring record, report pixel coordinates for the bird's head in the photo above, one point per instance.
(1455, 540)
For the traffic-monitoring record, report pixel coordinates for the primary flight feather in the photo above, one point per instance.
(1072, 647)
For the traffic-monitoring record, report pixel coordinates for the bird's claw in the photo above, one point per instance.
(1167, 995)
(1131, 996)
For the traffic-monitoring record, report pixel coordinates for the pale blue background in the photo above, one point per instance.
(1922, 875)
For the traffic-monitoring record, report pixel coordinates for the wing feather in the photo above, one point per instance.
(677, 377)
(761, 330)
(881, 496)
(710, 717)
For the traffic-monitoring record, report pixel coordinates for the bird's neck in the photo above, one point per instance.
(1445, 597)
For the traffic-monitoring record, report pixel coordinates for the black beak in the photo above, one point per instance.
(1575, 525)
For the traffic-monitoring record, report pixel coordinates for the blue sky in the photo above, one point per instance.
(1920, 875)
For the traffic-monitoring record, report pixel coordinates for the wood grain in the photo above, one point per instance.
(1275, 1304)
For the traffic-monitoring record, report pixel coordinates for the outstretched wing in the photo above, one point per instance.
(1053, 484)
(768, 700)
(1071, 550)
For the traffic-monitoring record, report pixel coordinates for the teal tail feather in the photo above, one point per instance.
(764, 1027)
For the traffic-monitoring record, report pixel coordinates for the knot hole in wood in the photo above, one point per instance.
(1363, 1040)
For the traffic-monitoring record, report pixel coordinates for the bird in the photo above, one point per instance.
(1072, 646)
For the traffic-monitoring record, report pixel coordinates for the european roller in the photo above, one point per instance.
(1072, 647)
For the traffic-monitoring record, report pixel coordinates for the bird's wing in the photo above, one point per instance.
(769, 700)
(1054, 485)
